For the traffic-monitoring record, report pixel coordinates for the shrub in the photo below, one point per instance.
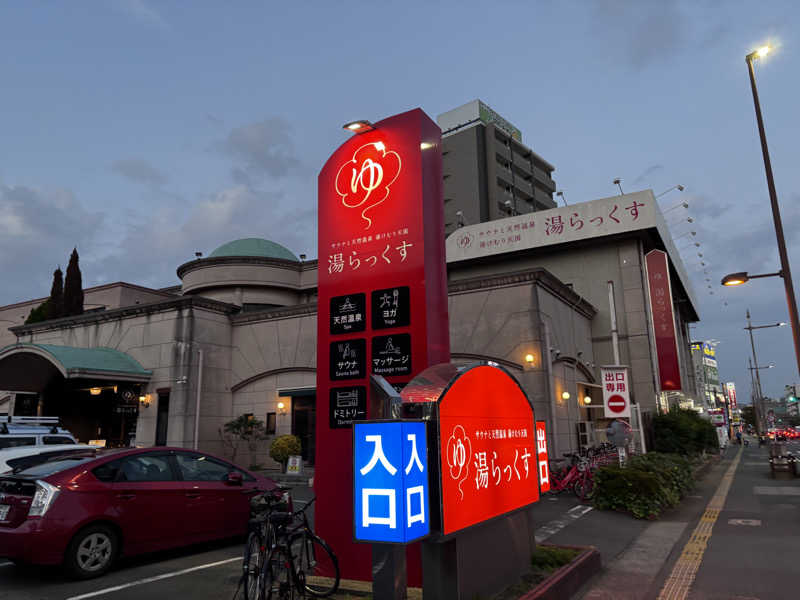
(683, 431)
(547, 559)
(283, 447)
(645, 486)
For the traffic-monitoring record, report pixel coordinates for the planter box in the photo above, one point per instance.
(566, 581)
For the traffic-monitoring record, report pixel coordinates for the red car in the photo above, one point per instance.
(83, 512)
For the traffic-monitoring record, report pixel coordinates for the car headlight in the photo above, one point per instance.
(43, 498)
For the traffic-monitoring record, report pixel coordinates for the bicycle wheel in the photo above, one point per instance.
(583, 487)
(276, 581)
(251, 566)
(316, 564)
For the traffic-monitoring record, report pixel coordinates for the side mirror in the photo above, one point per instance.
(234, 478)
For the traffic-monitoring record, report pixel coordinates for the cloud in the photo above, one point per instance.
(651, 31)
(264, 148)
(38, 229)
(168, 237)
(642, 178)
(140, 171)
(143, 13)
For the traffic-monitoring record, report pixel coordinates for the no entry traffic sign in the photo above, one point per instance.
(617, 404)
(616, 392)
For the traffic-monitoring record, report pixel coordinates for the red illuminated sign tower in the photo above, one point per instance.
(382, 305)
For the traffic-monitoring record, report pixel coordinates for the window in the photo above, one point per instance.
(198, 467)
(270, 426)
(108, 471)
(13, 442)
(57, 439)
(145, 467)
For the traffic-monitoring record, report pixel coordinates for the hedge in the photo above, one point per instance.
(683, 431)
(647, 485)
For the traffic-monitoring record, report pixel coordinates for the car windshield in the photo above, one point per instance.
(48, 468)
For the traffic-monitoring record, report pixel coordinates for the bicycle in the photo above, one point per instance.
(260, 537)
(299, 560)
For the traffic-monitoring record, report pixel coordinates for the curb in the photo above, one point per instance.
(567, 580)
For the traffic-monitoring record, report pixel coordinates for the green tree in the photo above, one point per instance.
(73, 287)
(38, 314)
(244, 429)
(55, 304)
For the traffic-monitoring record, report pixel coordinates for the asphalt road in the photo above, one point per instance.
(208, 572)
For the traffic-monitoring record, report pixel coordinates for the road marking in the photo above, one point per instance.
(765, 490)
(553, 527)
(117, 588)
(680, 580)
(751, 522)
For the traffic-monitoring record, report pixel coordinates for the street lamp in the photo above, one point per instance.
(773, 199)
(678, 205)
(754, 368)
(741, 277)
(678, 187)
(560, 194)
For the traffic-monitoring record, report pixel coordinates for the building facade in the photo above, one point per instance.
(488, 172)
(238, 336)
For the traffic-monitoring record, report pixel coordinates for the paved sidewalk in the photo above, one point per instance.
(635, 551)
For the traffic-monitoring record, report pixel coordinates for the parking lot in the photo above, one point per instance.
(210, 571)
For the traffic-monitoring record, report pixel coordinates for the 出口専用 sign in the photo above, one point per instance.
(616, 392)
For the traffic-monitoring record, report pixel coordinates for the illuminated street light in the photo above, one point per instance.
(741, 277)
(786, 272)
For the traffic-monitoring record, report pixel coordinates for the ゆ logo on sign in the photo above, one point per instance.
(364, 180)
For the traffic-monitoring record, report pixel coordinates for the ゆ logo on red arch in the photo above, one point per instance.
(364, 181)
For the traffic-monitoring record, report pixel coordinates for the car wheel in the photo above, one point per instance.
(91, 552)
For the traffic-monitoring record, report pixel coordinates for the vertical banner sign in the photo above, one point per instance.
(487, 448)
(663, 320)
(731, 387)
(541, 456)
(390, 477)
(382, 298)
(616, 392)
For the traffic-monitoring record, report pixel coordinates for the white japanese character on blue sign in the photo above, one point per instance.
(391, 481)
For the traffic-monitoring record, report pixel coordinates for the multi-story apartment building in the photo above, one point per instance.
(488, 172)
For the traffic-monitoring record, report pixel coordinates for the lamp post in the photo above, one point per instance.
(678, 187)
(755, 368)
(776, 212)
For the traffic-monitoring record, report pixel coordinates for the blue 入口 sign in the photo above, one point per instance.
(390, 481)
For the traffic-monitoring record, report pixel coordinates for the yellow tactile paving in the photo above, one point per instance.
(680, 580)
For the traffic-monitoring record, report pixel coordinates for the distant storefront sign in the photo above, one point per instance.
(663, 320)
(730, 387)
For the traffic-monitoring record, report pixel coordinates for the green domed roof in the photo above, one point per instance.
(254, 247)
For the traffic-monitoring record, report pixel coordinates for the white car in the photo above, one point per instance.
(23, 457)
